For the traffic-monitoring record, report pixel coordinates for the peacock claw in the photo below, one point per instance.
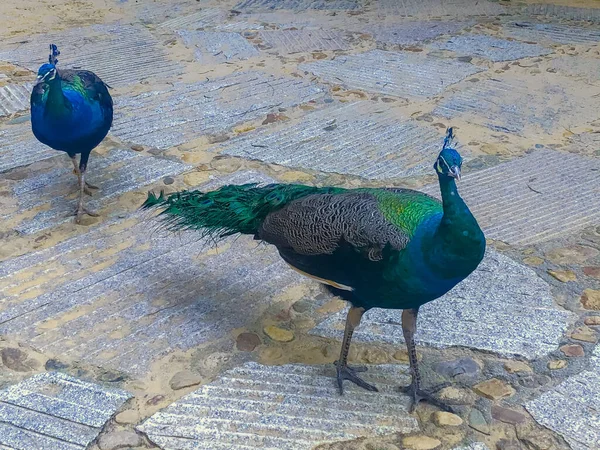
(345, 372)
(81, 210)
(418, 395)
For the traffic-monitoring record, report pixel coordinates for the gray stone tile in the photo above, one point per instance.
(19, 147)
(261, 5)
(295, 407)
(54, 411)
(293, 41)
(206, 17)
(563, 12)
(414, 32)
(438, 8)
(502, 307)
(518, 202)
(213, 47)
(490, 47)
(392, 73)
(119, 54)
(126, 293)
(572, 408)
(48, 188)
(184, 112)
(14, 98)
(361, 138)
(512, 104)
(552, 32)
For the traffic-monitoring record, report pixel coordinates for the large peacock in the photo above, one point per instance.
(72, 111)
(375, 248)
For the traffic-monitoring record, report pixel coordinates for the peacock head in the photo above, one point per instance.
(449, 161)
(47, 72)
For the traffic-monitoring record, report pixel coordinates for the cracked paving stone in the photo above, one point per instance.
(120, 55)
(214, 47)
(438, 8)
(552, 32)
(393, 73)
(125, 293)
(300, 5)
(502, 307)
(48, 188)
(352, 138)
(19, 147)
(410, 33)
(53, 411)
(489, 47)
(293, 41)
(572, 408)
(184, 112)
(517, 203)
(514, 105)
(576, 66)
(14, 98)
(294, 406)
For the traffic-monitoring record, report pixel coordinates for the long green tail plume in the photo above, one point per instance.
(229, 210)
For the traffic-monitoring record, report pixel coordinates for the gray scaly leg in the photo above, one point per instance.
(87, 186)
(409, 328)
(81, 210)
(344, 372)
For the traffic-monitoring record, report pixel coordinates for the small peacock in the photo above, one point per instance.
(375, 248)
(72, 111)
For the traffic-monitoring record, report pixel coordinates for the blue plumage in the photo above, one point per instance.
(71, 111)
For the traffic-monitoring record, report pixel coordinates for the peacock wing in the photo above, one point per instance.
(90, 84)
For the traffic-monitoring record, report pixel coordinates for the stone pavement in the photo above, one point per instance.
(116, 334)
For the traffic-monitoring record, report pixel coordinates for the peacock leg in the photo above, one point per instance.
(409, 328)
(81, 209)
(344, 372)
(76, 171)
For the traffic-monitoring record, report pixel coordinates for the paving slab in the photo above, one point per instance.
(214, 47)
(572, 408)
(129, 288)
(563, 12)
(438, 8)
(119, 54)
(206, 17)
(295, 407)
(19, 147)
(414, 32)
(502, 307)
(50, 189)
(517, 202)
(399, 74)
(54, 411)
(552, 33)
(489, 47)
(514, 104)
(262, 5)
(359, 138)
(14, 98)
(172, 116)
(293, 41)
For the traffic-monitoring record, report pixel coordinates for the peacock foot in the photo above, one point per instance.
(417, 395)
(81, 210)
(344, 372)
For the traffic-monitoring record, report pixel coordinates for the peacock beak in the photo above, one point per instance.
(455, 172)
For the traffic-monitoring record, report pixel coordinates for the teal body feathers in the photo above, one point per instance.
(384, 248)
(71, 111)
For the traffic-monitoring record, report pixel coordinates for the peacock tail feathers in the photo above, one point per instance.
(229, 210)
